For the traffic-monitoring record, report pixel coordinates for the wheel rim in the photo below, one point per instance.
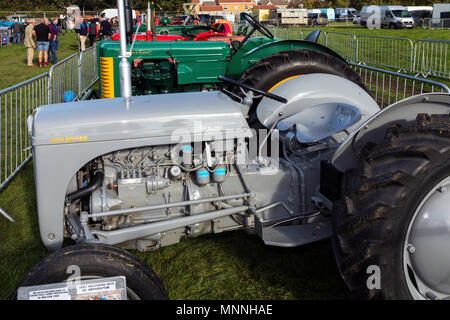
(426, 264)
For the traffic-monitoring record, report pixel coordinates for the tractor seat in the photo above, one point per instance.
(321, 121)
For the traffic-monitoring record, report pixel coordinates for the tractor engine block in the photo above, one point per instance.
(164, 174)
(153, 77)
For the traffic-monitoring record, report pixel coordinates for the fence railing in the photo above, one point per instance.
(76, 73)
(63, 77)
(424, 57)
(388, 87)
(436, 23)
(343, 43)
(385, 52)
(16, 104)
(432, 57)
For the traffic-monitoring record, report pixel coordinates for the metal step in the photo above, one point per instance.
(296, 235)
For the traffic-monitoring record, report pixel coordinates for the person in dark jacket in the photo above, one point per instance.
(42, 33)
(17, 30)
(105, 29)
(53, 41)
(82, 34)
(92, 32)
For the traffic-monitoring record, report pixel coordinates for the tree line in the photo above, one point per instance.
(174, 5)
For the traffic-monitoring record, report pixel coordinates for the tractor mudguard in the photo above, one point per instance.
(65, 138)
(244, 59)
(372, 130)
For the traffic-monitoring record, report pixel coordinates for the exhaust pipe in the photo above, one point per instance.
(124, 65)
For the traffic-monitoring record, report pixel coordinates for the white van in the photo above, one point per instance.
(441, 11)
(111, 13)
(386, 16)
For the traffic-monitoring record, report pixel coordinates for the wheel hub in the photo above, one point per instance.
(426, 249)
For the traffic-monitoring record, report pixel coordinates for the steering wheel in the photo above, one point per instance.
(163, 31)
(186, 32)
(248, 87)
(256, 25)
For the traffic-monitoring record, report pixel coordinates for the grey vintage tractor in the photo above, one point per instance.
(143, 172)
(293, 158)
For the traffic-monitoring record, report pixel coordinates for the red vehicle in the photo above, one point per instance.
(219, 31)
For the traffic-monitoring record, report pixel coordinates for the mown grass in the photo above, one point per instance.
(231, 265)
(13, 57)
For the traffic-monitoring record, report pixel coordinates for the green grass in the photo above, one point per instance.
(14, 69)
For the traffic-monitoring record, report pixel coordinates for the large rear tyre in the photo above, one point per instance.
(98, 261)
(273, 70)
(394, 215)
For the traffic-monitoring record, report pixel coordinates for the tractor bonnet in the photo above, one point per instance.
(138, 117)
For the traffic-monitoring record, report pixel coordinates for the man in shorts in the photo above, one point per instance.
(42, 32)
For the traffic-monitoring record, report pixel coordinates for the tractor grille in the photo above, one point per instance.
(107, 77)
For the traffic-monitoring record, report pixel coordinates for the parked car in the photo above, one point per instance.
(317, 19)
(14, 17)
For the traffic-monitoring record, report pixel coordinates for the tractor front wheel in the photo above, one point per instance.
(392, 228)
(97, 261)
(273, 70)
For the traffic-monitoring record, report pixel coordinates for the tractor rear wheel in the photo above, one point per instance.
(273, 70)
(393, 220)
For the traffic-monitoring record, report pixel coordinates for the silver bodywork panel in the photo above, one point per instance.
(137, 117)
(308, 91)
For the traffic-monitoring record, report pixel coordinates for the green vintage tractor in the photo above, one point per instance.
(188, 66)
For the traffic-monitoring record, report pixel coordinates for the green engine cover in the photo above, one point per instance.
(174, 66)
(192, 62)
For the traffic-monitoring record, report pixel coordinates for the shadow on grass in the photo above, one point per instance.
(236, 265)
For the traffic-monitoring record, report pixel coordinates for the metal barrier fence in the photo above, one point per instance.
(76, 73)
(431, 23)
(424, 57)
(342, 43)
(432, 57)
(87, 69)
(16, 104)
(63, 77)
(385, 52)
(388, 87)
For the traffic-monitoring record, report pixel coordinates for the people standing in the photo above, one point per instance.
(92, 31)
(59, 25)
(114, 25)
(70, 23)
(16, 32)
(105, 29)
(42, 32)
(29, 42)
(82, 34)
(54, 40)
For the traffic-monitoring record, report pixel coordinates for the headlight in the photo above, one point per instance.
(30, 120)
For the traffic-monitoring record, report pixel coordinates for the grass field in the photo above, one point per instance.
(227, 266)
(13, 66)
